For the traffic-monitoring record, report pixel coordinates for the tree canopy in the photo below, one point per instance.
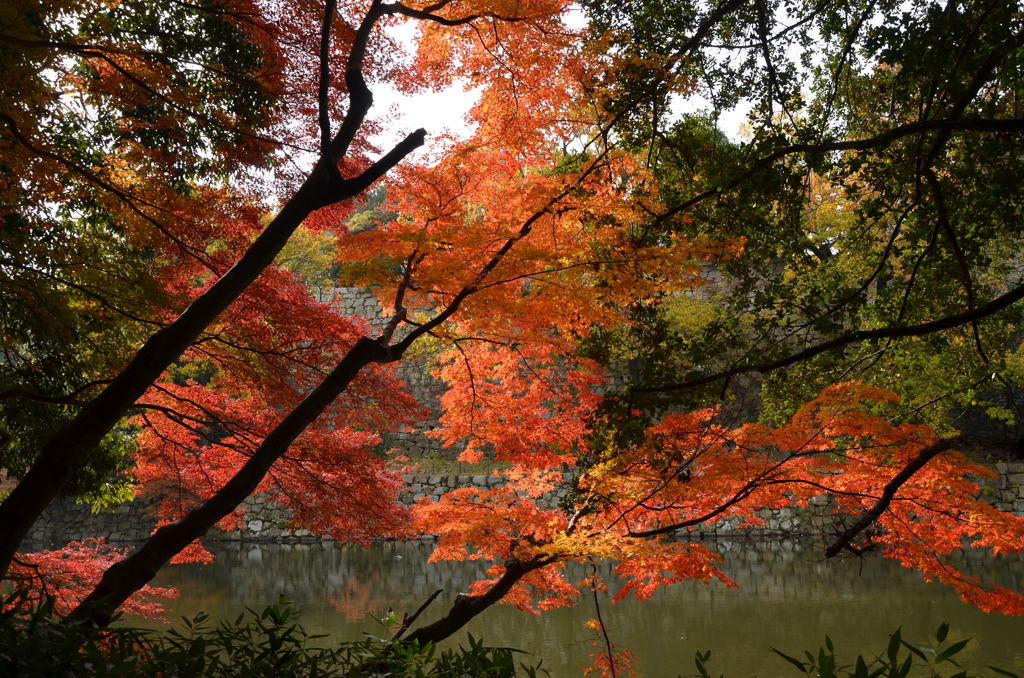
(806, 307)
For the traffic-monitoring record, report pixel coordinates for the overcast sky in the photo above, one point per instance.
(445, 111)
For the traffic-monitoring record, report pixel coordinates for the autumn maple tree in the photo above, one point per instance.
(566, 242)
(180, 138)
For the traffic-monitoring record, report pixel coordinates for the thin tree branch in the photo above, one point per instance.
(888, 493)
(360, 99)
(983, 75)
(407, 622)
(600, 621)
(69, 399)
(425, 15)
(994, 306)
(75, 168)
(879, 141)
(323, 100)
(467, 607)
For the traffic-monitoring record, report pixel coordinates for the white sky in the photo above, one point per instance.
(445, 112)
(438, 113)
(729, 121)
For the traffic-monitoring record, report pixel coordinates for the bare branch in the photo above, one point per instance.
(407, 622)
(428, 15)
(991, 308)
(326, 155)
(600, 621)
(351, 187)
(360, 99)
(467, 607)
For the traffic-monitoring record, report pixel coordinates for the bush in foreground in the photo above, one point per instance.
(900, 660)
(34, 642)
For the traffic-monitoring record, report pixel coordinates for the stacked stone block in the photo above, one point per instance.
(268, 520)
(415, 373)
(65, 521)
(421, 487)
(1006, 491)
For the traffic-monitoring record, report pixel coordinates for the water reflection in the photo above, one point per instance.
(787, 598)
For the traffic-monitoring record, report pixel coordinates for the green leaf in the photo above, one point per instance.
(894, 647)
(795, 662)
(940, 633)
(861, 671)
(1010, 674)
(914, 650)
(951, 651)
(905, 669)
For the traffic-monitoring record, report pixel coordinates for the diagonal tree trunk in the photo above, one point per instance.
(68, 449)
(129, 575)
(466, 607)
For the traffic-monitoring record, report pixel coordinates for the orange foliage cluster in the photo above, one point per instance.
(196, 428)
(533, 245)
(690, 471)
(612, 662)
(523, 247)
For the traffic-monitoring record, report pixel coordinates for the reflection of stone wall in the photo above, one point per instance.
(779, 567)
(268, 520)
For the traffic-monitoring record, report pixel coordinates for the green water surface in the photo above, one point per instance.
(787, 597)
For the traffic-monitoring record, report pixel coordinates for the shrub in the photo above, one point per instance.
(34, 642)
(918, 661)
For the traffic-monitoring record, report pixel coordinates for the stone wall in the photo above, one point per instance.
(419, 486)
(65, 521)
(1006, 492)
(413, 443)
(267, 520)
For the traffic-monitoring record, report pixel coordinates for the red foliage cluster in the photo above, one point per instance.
(69, 573)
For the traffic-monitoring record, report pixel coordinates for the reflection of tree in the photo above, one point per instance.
(355, 581)
(396, 575)
(785, 589)
(355, 601)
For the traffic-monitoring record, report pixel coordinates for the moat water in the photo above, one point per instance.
(787, 598)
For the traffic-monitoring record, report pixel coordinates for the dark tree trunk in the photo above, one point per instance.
(69, 449)
(467, 607)
(123, 579)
